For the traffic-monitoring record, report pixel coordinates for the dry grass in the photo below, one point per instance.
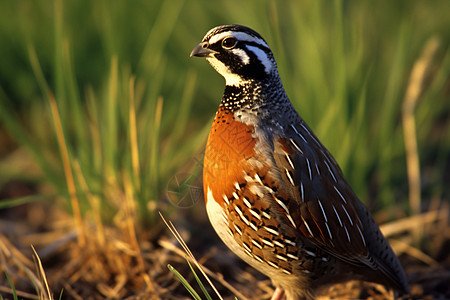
(116, 269)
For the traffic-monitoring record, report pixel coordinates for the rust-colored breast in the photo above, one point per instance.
(230, 143)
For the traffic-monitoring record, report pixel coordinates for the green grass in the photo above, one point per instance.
(106, 101)
(13, 288)
(135, 110)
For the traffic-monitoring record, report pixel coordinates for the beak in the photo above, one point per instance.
(201, 50)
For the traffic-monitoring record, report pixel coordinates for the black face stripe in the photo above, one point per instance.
(217, 46)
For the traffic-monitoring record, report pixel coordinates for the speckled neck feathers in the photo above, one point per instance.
(253, 95)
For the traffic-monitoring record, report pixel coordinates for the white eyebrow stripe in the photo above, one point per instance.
(241, 36)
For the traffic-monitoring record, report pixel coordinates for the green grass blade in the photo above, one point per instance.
(205, 292)
(160, 34)
(12, 286)
(184, 282)
(17, 130)
(8, 203)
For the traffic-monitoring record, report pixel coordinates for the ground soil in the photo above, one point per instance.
(111, 264)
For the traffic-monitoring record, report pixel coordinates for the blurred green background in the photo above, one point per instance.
(135, 110)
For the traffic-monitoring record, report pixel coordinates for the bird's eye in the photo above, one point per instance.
(229, 42)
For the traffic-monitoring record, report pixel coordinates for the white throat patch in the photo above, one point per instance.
(222, 69)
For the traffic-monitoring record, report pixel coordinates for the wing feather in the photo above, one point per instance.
(326, 212)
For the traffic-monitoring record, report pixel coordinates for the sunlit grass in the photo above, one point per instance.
(344, 69)
(109, 133)
(106, 101)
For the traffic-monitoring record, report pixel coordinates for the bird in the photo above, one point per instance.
(274, 194)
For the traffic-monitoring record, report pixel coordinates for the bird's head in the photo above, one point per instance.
(238, 53)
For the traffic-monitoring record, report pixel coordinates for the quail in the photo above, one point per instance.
(274, 194)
